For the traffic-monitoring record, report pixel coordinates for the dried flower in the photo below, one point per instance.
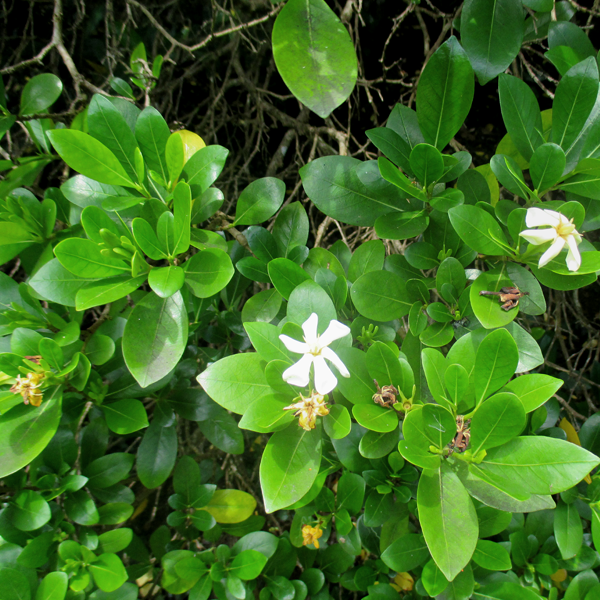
(561, 232)
(315, 350)
(28, 387)
(311, 535)
(308, 409)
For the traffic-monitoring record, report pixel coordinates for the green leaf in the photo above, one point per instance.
(568, 530)
(165, 281)
(289, 465)
(248, 564)
(375, 418)
(265, 339)
(380, 295)
(286, 275)
(533, 390)
(401, 226)
(108, 470)
(426, 163)
(231, 506)
(492, 556)
(221, 429)
(439, 425)
(394, 176)
(492, 33)
(125, 416)
(182, 207)
(147, 239)
(26, 430)
(262, 307)
(521, 114)
(267, 414)
(203, 168)
(259, 201)
(40, 92)
(575, 96)
(433, 579)
(487, 308)
(163, 324)
(208, 272)
(535, 465)
(99, 349)
(89, 157)
(115, 540)
(108, 572)
(351, 191)
(14, 584)
(392, 145)
(547, 166)
(97, 293)
(54, 283)
(456, 381)
(406, 553)
(448, 519)
(337, 423)
(107, 125)
(495, 363)
(28, 511)
(314, 55)
(236, 381)
(445, 93)
(152, 133)
(84, 259)
(156, 454)
(53, 586)
(479, 230)
(498, 420)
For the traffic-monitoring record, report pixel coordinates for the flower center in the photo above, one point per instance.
(565, 229)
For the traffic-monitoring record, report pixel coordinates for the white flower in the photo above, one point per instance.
(315, 352)
(561, 231)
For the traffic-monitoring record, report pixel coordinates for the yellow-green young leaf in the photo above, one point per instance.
(89, 157)
(231, 506)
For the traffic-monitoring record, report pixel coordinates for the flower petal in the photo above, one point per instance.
(552, 252)
(539, 236)
(299, 373)
(537, 217)
(334, 331)
(310, 329)
(294, 345)
(325, 380)
(330, 355)
(573, 255)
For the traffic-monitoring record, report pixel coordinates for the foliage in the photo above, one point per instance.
(165, 342)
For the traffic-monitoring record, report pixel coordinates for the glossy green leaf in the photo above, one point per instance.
(375, 418)
(426, 163)
(56, 284)
(445, 93)
(26, 430)
(350, 191)
(89, 157)
(406, 553)
(498, 420)
(533, 390)
(165, 281)
(535, 465)
(125, 416)
(439, 425)
(286, 275)
(152, 133)
(401, 226)
(575, 96)
(108, 572)
(521, 114)
(104, 291)
(259, 201)
(547, 166)
(53, 586)
(479, 230)
(568, 530)
(208, 272)
(491, 556)
(40, 92)
(84, 259)
(156, 454)
(203, 168)
(448, 519)
(487, 308)
(163, 324)
(314, 55)
(28, 510)
(289, 465)
(236, 381)
(495, 363)
(380, 295)
(491, 33)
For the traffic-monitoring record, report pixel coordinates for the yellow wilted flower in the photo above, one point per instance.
(311, 535)
(403, 582)
(308, 409)
(28, 387)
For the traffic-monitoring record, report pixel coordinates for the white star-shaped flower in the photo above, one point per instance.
(560, 232)
(315, 350)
